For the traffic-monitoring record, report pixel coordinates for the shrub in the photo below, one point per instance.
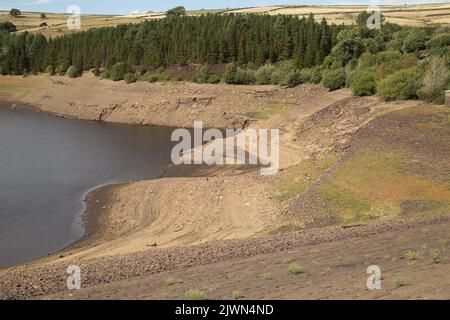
(202, 75)
(8, 26)
(60, 69)
(435, 258)
(245, 76)
(195, 295)
(412, 255)
(72, 72)
(237, 295)
(267, 276)
(130, 77)
(152, 78)
(292, 79)
(3, 70)
(391, 66)
(305, 75)
(435, 81)
(96, 71)
(316, 75)
(230, 73)
(166, 75)
(119, 70)
(414, 41)
(287, 260)
(236, 75)
(50, 70)
(214, 79)
(293, 268)
(106, 74)
(171, 281)
(264, 74)
(400, 283)
(363, 83)
(401, 85)
(334, 79)
(439, 40)
(282, 72)
(378, 58)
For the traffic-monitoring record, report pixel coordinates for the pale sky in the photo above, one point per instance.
(128, 6)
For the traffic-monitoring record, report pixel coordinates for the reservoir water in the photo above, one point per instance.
(48, 164)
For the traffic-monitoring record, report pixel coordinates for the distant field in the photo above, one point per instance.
(414, 15)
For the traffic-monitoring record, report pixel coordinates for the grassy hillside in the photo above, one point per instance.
(395, 165)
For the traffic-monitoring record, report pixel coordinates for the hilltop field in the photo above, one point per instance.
(412, 15)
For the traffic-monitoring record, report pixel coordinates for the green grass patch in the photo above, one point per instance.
(294, 269)
(270, 110)
(400, 283)
(196, 295)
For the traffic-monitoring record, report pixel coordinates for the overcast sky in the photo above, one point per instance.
(128, 6)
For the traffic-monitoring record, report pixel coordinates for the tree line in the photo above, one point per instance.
(206, 39)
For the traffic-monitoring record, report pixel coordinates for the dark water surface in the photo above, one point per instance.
(48, 164)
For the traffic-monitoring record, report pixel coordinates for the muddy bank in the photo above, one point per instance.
(156, 104)
(37, 280)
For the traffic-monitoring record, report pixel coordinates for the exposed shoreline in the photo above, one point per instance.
(195, 222)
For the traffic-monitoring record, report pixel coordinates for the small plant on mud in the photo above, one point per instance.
(435, 257)
(443, 242)
(400, 283)
(171, 281)
(293, 268)
(267, 276)
(412, 255)
(196, 295)
(237, 295)
(287, 260)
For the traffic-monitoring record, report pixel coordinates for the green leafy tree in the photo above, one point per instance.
(15, 12)
(176, 12)
(349, 45)
(414, 41)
